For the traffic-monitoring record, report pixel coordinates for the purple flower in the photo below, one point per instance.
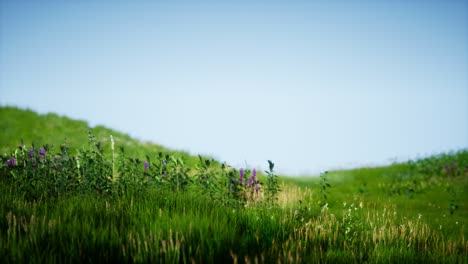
(249, 182)
(146, 166)
(254, 176)
(42, 152)
(11, 162)
(241, 178)
(31, 152)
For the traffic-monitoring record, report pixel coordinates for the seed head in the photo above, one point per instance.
(112, 142)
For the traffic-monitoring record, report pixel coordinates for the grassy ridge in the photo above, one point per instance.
(409, 212)
(27, 125)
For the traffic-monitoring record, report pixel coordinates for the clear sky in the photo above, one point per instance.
(311, 85)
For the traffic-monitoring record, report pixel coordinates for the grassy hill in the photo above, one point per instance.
(88, 207)
(18, 124)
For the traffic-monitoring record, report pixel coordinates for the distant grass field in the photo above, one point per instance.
(92, 204)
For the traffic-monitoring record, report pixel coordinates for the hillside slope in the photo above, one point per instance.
(18, 124)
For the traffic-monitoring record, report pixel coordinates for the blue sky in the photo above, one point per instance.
(311, 85)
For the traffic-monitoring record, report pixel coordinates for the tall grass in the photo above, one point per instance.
(184, 227)
(86, 206)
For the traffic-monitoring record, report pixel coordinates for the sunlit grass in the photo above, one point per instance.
(89, 206)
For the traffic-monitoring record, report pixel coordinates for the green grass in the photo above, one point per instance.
(26, 125)
(399, 213)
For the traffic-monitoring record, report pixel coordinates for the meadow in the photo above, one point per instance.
(71, 193)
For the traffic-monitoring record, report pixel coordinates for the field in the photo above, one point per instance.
(92, 197)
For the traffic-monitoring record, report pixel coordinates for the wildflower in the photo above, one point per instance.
(31, 152)
(241, 178)
(13, 161)
(145, 166)
(42, 152)
(8, 163)
(249, 182)
(257, 187)
(252, 179)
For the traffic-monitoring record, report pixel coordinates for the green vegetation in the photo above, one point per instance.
(26, 125)
(123, 201)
